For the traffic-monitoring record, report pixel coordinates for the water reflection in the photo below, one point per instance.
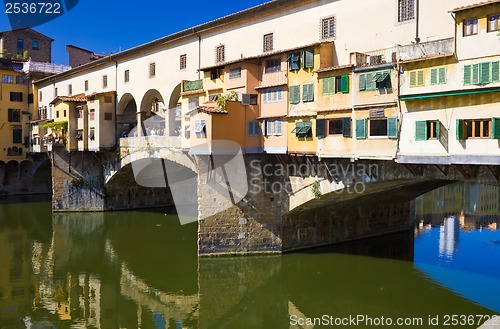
(141, 270)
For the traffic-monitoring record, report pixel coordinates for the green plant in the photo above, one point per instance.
(316, 189)
(223, 99)
(59, 127)
(26, 55)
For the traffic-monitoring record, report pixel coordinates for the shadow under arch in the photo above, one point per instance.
(126, 115)
(143, 183)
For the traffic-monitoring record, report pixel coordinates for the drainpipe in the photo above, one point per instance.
(199, 51)
(417, 21)
(455, 36)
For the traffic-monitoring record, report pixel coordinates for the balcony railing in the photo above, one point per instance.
(425, 50)
(150, 142)
(273, 79)
(30, 67)
(376, 57)
(192, 85)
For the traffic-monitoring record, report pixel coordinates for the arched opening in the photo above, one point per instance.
(126, 115)
(174, 111)
(12, 173)
(42, 178)
(153, 114)
(3, 173)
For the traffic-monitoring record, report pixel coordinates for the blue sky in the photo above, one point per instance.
(108, 26)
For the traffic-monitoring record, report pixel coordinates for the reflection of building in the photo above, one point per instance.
(15, 274)
(448, 237)
(476, 204)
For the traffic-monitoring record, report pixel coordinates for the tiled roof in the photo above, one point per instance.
(77, 99)
(334, 109)
(479, 4)
(264, 55)
(333, 68)
(211, 108)
(94, 94)
(271, 117)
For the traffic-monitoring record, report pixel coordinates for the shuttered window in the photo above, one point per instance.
(392, 127)
(272, 127)
(460, 129)
(308, 93)
(346, 127)
(417, 78)
(420, 130)
(482, 73)
(361, 128)
(17, 135)
(253, 128)
(345, 84)
(294, 94)
(294, 61)
(328, 86)
(495, 130)
(374, 80)
(321, 128)
(308, 59)
(438, 76)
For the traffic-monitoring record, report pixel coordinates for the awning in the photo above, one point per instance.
(450, 93)
(198, 127)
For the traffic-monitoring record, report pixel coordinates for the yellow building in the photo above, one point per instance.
(334, 119)
(449, 94)
(303, 93)
(14, 114)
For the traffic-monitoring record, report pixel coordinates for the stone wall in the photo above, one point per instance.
(253, 225)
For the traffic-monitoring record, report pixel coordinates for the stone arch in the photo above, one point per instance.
(42, 177)
(126, 115)
(12, 172)
(3, 172)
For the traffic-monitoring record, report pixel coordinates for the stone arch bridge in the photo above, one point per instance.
(292, 202)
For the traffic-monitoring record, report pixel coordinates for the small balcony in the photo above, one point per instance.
(149, 143)
(374, 58)
(425, 50)
(39, 67)
(273, 79)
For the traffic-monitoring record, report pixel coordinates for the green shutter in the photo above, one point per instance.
(320, 128)
(362, 82)
(345, 84)
(346, 127)
(294, 94)
(467, 75)
(495, 133)
(420, 78)
(294, 61)
(420, 130)
(460, 129)
(392, 127)
(475, 74)
(437, 128)
(308, 56)
(442, 75)
(308, 93)
(495, 74)
(484, 76)
(413, 78)
(331, 85)
(17, 136)
(10, 111)
(361, 128)
(434, 76)
(326, 86)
